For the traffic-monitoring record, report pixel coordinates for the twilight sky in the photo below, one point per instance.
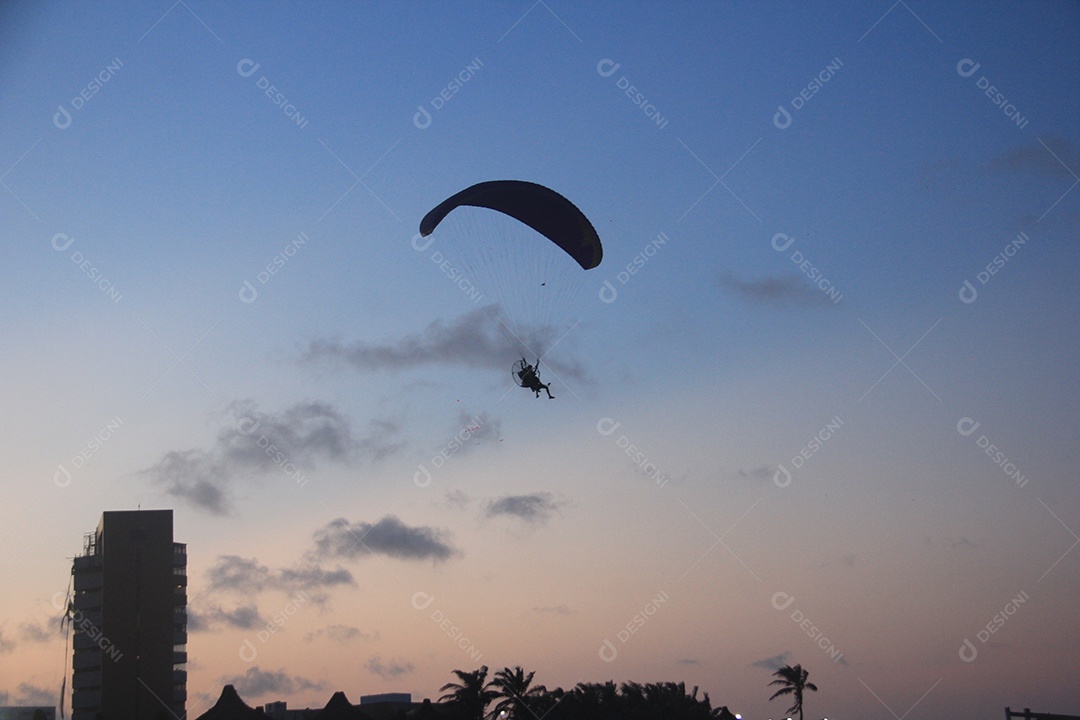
(829, 418)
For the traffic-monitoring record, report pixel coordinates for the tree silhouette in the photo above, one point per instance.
(518, 694)
(470, 696)
(793, 682)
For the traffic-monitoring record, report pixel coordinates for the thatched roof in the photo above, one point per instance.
(339, 708)
(230, 707)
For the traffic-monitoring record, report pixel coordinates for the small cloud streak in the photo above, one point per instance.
(554, 610)
(1058, 158)
(775, 662)
(256, 682)
(244, 617)
(534, 508)
(389, 670)
(389, 536)
(789, 290)
(247, 576)
(341, 634)
(478, 339)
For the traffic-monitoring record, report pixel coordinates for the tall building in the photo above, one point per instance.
(129, 616)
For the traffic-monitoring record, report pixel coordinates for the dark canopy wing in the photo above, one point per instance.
(545, 211)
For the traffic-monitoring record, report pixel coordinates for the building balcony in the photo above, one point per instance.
(86, 563)
(179, 637)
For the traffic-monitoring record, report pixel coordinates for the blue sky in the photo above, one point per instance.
(177, 179)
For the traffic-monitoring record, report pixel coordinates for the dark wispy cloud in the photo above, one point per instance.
(456, 498)
(247, 576)
(341, 634)
(256, 443)
(842, 561)
(37, 631)
(775, 662)
(389, 536)
(1052, 156)
(389, 670)
(256, 682)
(244, 617)
(481, 338)
(6, 643)
(790, 290)
(534, 508)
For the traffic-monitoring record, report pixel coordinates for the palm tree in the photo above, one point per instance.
(471, 695)
(793, 682)
(513, 686)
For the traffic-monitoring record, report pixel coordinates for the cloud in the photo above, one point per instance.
(6, 645)
(256, 682)
(39, 632)
(779, 290)
(689, 661)
(31, 695)
(247, 576)
(393, 669)
(389, 536)
(258, 443)
(478, 339)
(554, 610)
(775, 662)
(341, 634)
(534, 508)
(244, 617)
(762, 472)
(456, 498)
(1054, 156)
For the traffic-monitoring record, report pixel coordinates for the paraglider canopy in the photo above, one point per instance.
(541, 208)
